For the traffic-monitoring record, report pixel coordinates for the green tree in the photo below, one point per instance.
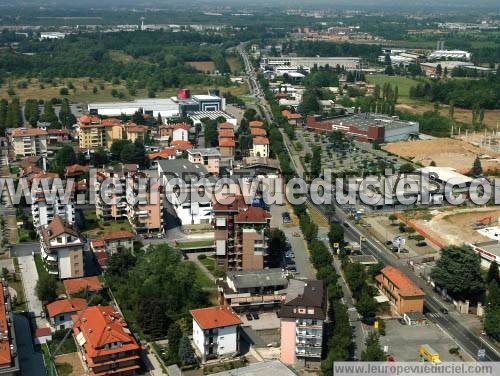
(392, 218)
(46, 288)
(491, 323)
(65, 156)
(174, 338)
(458, 270)
(493, 274)
(100, 157)
(366, 306)
(406, 168)
(49, 114)
(210, 132)
(373, 351)
(117, 147)
(277, 245)
(336, 234)
(477, 169)
(186, 353)
(66, 117)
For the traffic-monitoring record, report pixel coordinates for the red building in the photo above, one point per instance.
(105, 343)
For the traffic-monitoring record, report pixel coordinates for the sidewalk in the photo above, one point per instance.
(29, 276)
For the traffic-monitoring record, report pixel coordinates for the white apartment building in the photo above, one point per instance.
(43, 211)
(215, 332)
(62, 249)
(260, 147)
(28, 142)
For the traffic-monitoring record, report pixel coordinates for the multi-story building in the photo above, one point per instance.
(215, 332)
(180, 132)
(404, 296)
(208, 157)
(9, 360)
(240, 240)
(145, 213)
(110, 201)
(44, 210)
(105, 343)
(227, 147)
(349, 63)
(253, 289)
(60, 312)
(260, 147)
(62, 249)
(113, 242)
(302, 318)
(27, 142)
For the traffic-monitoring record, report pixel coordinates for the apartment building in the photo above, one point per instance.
(44, 210)
(208, 157)
(110, 201)
(239, 232)
(215, 332)
(302, 317)
(105, 343)
(145, 208)
(113, 242)
(27, 142)
(253, 289)
(404, 296)
(60, 312)
(181, 178)
(227, 147)
(9, 359)
(260, 147)
(62, 249)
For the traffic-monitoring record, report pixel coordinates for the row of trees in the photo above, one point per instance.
(492, 315)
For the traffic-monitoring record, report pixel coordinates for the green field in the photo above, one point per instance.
(403, 83)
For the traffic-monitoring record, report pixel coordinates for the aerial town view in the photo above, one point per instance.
(265, 188)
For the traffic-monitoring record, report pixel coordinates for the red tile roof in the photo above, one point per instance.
(226, 133)
(162, 154)
(226, 142)
(258, 132)
(184, 126)
(215, 317)
(25, 132)
(225, 125)
(58, 307)
(181, 145)
(101, 326)
(291, 115)
(253, 215)
(58, 132)
(260, 140)
(43, 332)
(230, 203)
(89, 119)
(97, 243)
(72, 286)
(256, 123)
(102, 258)
(402, 282)
(111, 121)
(76, 169)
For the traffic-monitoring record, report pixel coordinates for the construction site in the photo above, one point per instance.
(454, 226)
(458, 153)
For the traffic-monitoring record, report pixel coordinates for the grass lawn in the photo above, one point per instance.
(209, 263)
(235, 64)
(403, 83)
(68, 346)
(196, 244)
(202, 278)
(16, 283)
(95, 227)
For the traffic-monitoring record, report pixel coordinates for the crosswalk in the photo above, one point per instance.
(434, 315)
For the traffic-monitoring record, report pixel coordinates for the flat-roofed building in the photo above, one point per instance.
(208, 157)
(28, 142)
(404, 296)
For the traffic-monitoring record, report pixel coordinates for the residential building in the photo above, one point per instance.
(404, 296)
(135, 132)
(27, 142)
(292, 117)
(114, 242)
(145, 208)
(112, 204)
(265, 368)
(253, 289)
(76, 285)
(190, 207)
(239, 232)
(162, 155)
(215, 332)
(227, 147)
(180, 132)
(60, 312)
(57, 136)
(258, 132)
(256, 124)
(208, 157)
(105, 343)
(349, 63)
(302, 317)
(260, 147)
(9, 359)
(62, 249)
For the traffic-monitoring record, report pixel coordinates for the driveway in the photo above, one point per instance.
(24, 249)
(30, 279)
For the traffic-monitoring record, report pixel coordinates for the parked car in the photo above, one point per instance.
(255, 315)
(249, 317)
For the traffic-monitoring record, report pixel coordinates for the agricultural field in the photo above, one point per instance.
(84, 92)
(235, 64)
(403, 83)
(445, 152)
(202, 66)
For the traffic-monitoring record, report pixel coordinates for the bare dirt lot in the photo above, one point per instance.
(445, 152)
(202, 66)
(69, 364)
(456, 226)
(462, 115)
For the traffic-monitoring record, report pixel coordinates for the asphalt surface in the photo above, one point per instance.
(468, 341)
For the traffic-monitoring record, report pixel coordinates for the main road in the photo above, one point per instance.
(467, 340)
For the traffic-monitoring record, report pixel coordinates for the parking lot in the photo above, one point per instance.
(403, 341)
(265, 321)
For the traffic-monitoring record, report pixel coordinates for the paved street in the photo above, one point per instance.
(24, 249)
(31, 362)
(30, 278)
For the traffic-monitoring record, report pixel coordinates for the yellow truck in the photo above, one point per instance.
(429, 354)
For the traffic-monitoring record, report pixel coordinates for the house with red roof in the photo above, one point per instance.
(106, 344)
(403, 295)
(215, 332)
(162, 155)
(260, 147)
(181, 132)
(9, 361)
(226, 147)
(27, 142)
(111, 243)
(60, 312)
(256, 124)
(292, 117)
(75, 285)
